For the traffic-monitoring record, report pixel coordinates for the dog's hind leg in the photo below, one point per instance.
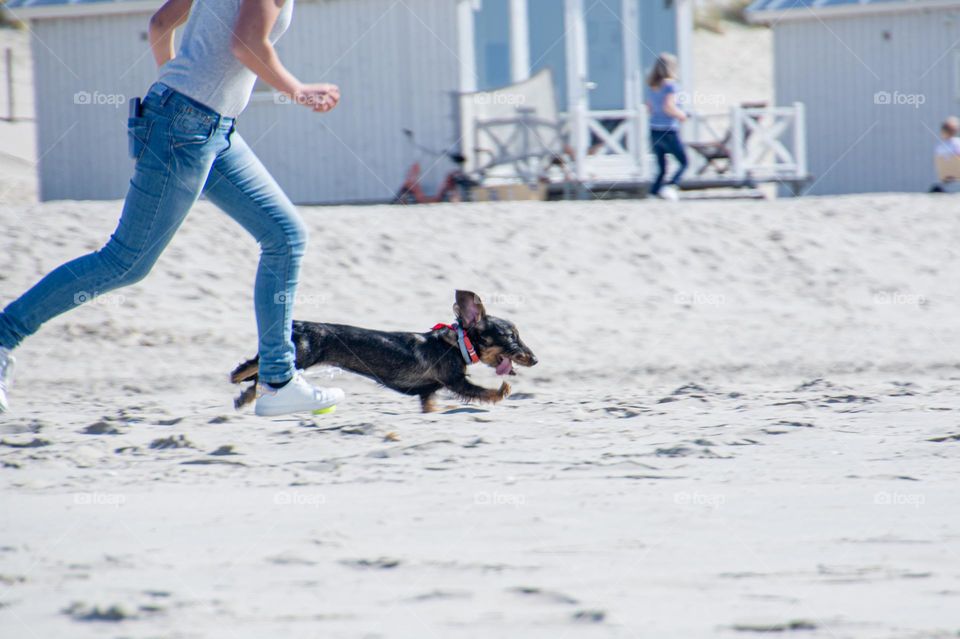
(246, 371)
(467, 391)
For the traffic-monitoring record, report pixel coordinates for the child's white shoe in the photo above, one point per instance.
(669, 192)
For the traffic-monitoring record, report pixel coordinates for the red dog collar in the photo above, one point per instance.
(466, 346)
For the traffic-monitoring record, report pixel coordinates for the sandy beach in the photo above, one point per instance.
(741, 423)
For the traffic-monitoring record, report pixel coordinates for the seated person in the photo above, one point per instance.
(947, 157)
(949, 143)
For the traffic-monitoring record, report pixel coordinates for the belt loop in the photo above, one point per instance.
(165, 95)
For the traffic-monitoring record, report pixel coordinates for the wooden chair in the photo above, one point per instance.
(717, 151)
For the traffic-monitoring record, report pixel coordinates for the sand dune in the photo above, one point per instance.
(742, 423)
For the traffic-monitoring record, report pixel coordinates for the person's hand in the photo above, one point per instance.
(319, 97)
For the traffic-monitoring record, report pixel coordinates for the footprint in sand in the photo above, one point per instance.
(36, 442)
(589, 616)
(100, 428)
(381, 563)
(178, 441)
(776, 627)
(551, 596)
(226, 449)
(32, 426)
(440, 595)
(946, 438)
(81, 612)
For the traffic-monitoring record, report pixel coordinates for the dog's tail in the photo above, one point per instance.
(246, 372)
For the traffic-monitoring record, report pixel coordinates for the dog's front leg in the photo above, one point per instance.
(468, 390)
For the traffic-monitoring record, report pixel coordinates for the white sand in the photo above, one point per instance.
(732, 67)
(670, 469)
(729, 430)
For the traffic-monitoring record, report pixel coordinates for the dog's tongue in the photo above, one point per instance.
(505, 366)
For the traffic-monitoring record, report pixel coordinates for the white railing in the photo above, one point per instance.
(708, 127)
(758, 149)
(748, 144)
(759, 143)
(620, 144)
(517, 148)
(616, 145)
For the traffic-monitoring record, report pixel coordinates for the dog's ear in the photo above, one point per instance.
(469, 309)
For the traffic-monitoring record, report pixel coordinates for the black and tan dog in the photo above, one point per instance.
(411, 363)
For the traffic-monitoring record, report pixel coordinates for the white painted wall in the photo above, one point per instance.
(82, 148)
(396, 66)
(394, 61)
(837, 66)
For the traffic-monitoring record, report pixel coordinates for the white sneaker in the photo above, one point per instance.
(6, 377)
(298, 396)
(669, 192)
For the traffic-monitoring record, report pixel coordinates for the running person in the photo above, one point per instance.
(185, 143)
(665, 119)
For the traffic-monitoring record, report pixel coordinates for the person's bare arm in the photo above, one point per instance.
(670, 108)
(163, 23)
(251, 46)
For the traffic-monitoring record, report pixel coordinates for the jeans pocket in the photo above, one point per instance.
(138, 133)
(191, 126)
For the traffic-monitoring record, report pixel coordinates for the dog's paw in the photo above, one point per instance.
(504, 390)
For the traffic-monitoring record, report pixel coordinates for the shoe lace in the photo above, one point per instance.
(301, 379)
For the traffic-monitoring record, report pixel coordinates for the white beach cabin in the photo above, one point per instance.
(877, 79)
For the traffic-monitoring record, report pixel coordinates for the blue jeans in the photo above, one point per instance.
(183, 149)
(667, 143)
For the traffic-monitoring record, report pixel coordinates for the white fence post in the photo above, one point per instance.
(643, 143)
(800, 138)
(737, 151)
(519, 41)
(8, 56)
(577, 100)
(466, 53)
(632, 85)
